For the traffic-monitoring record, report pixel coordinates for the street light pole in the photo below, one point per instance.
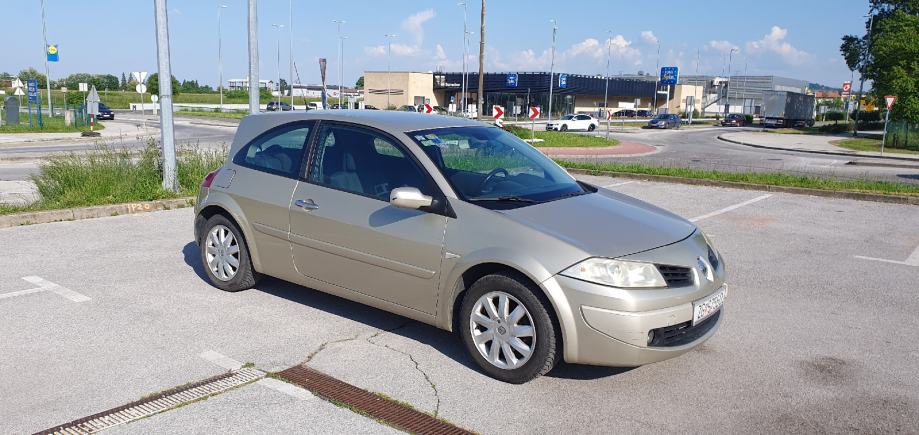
(727, 86)
(290, 51)
(278, 61)
(253, 57)
(657, 74)
(44, 33)
(552, 68)
(462, 101)
(167, 134)
(609, 51)
(861, 73)
(389, 37)
(341, 58)
(481, 87)
(220, 9)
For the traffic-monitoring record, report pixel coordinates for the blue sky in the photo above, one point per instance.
(799, 39)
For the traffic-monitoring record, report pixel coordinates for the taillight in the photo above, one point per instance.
(209, 178)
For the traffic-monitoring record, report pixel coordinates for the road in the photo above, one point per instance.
(817, 337)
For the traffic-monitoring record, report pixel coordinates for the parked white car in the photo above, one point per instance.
(574, 122)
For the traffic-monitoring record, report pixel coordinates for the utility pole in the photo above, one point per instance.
(609, 51)
(861, 73)
(481, 90)
(389, 37)
(278, 61)
(462, 102)
(253, 57)
(727, 85)
(341, 58)
(165, 73)
(657, 73)
(44, 33)
(552, 69)
(290, 51)
(220, 8)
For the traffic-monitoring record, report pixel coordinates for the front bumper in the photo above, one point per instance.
(609, 326)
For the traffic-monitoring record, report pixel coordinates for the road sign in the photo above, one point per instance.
(428, 109)
(512, 80)
(497, 111)
(92, 102)
(891, 100)
(84, 87)
(32, 89)
(17, 83)
(18, 92)
(139, 76)
(609, 114)
(846, 88)
(140, 88)
(563, 81)
(53, 54)
(670, 75)
(154, 98)
(534, 112)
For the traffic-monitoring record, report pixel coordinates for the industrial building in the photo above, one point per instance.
(741, 94)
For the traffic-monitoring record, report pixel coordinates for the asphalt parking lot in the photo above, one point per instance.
(819, 333)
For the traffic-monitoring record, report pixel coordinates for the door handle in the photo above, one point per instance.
(307, 204)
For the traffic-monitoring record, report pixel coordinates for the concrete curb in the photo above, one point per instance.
(830, 153)
(70, 214)
(858, 196)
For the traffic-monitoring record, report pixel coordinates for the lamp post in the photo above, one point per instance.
(465, 46)
(609, 50)
(341, 58)
(389, 37)
(44, 33)
(290, 51)
(861, 86)
(278, 61)
(727, 85)
(657, 73)
(552, 68)
(220, 9)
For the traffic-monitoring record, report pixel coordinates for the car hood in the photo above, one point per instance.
(605, 224)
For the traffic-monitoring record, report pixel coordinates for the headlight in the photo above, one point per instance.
(617, 273)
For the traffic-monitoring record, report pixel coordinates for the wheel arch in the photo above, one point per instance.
(214, 209)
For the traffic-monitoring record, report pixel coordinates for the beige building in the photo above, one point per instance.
(400, 88)
(678, 103)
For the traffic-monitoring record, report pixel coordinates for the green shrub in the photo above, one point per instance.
(834, 116)
(834, 128)
(749, 119)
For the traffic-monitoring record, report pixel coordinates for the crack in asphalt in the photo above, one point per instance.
(414, 361)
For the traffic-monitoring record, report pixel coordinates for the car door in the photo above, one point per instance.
(582, 122)
(266, 170)
(344, 231)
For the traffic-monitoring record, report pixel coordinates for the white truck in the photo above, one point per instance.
(788, 109)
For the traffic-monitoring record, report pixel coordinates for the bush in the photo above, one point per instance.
(748, 119)
(74, 99)
(834, 128)
(834, 116)
(867, 116)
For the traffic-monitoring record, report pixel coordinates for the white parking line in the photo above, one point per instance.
(618, 184)
(277, 385)
(45, 285)
(731, 208)
(912, 260)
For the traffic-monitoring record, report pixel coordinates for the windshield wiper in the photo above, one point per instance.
(506, 199)
(570, 194)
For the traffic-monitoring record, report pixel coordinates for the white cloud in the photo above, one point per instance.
(775, 43)
(722, 46)
(648, 37)
(439, 53)
(620, 49)
(414, 29)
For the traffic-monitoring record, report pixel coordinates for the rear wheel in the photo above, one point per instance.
(508, 330)
(591, 127)
(225, 255)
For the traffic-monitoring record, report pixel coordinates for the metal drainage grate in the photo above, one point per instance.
(388, 411)
(157, 403)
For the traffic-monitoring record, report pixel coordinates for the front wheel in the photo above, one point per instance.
(564, 127)
(508, 330)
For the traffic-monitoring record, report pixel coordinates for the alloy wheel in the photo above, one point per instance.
(222, 253)
(503, 330)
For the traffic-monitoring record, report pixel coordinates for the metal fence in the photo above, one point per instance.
(902, 134)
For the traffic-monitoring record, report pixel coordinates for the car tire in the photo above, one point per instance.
(228, 242)
(544, 344)
(564, 127)
(591, 127)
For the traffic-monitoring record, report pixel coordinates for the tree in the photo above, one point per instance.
(153, 84)
(359, 83)
(124, 82)
(853, 51)
(32, 74)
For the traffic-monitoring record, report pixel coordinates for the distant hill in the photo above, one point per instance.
(822, 88)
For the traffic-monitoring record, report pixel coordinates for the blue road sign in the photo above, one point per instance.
(563, 81)
(670, 75)
(32, 90)
(53, 53)
(512, 80)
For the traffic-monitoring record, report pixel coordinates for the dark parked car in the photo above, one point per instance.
(734, 120)
(105, 112)
(626, 113)
(644, 114)
(274, 106)
(665, 120)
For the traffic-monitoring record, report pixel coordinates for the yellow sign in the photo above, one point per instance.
(52, 49)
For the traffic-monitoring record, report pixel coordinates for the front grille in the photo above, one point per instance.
(676, 276)
(682, 333)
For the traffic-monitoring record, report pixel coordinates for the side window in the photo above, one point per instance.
(361, 161)
(583, 118)
(278, 151)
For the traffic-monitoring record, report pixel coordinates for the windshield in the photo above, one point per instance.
(662, 116)
(494, 168)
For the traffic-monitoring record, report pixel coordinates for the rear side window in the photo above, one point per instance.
(278, 151)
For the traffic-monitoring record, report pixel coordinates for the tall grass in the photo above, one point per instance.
(108, 175)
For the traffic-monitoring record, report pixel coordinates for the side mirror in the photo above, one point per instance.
(409, 197)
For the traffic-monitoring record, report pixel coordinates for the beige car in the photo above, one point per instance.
(463, 226)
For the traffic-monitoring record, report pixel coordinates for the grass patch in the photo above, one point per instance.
(212, 114)
(107, 175)
(796, 130)
(766, 179)
(863, 144)
(51, 125)
(124, 99)
(559, 139)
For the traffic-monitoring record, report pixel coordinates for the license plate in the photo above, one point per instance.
(704, 308)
